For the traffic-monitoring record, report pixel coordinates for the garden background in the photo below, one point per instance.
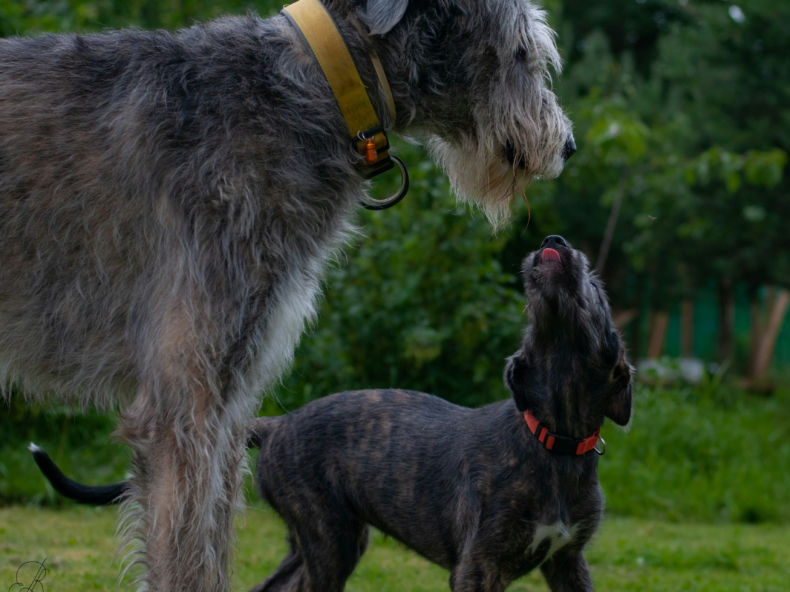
(680, 197)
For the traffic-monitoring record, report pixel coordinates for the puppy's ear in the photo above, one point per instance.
(613, 348)
(516, 375)
(620, 403)
(382, 15)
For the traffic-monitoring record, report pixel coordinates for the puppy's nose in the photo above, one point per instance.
(569, 148)
(553, 241)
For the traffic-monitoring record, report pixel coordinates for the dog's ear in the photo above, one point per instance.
(516, 375)
(620, 403)
(382, 15)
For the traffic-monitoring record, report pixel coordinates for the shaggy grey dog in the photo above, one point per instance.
(168, 201)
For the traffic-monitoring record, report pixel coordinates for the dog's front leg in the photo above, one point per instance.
(567, 571)
(186, 478)
(186, 428)
(476, 575)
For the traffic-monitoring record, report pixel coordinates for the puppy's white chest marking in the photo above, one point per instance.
(559, 533)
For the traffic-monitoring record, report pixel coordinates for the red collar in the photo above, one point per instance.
(563, 444)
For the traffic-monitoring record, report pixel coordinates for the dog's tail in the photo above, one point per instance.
(85, 494)
(103, 495)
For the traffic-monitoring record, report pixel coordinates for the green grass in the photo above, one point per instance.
(628, 555)
(713, 455)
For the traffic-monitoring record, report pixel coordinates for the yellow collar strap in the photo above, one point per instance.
(368, 136)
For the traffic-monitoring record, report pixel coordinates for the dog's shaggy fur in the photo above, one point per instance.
(167, 202)
(470, 490)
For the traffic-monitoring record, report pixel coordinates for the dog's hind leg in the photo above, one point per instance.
(332, 546)
(289, 576)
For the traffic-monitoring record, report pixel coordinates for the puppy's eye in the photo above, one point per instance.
(522, 55)
(594, 286)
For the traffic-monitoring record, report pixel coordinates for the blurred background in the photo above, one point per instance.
(680, 197)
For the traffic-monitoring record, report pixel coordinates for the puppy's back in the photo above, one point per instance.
(259, 430)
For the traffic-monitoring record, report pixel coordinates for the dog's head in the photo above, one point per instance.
(474, 77)
(572, 361)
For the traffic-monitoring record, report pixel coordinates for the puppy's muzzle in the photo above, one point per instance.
(554, 241)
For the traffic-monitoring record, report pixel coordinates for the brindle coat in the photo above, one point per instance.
(470, 490)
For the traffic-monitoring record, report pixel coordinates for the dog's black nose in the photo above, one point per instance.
(569, 149)
(553, 241)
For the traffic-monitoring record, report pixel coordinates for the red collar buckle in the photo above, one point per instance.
(560, 444)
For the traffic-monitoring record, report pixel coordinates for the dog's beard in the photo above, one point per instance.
(479, 177)
(477, 165)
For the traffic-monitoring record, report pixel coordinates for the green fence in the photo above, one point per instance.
(706, 331)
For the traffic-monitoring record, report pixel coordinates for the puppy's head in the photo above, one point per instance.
(572, 357)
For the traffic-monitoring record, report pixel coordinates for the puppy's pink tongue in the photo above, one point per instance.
(550, 255)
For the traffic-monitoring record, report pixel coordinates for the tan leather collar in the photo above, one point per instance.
(368, 136)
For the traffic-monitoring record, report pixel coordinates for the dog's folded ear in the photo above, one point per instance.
(382, 15)
(620, 395)
(516, 375)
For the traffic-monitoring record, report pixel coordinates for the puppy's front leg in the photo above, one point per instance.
(568, 572)
(470, 575)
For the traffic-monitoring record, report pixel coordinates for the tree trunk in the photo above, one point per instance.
(776, 316)
(658, 332)
(726, 319)
(610, 225)
(636, 329)
(687, 329)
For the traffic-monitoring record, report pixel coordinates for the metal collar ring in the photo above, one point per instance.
(383, 204)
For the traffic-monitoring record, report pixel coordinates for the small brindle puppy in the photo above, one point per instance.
(473, 490)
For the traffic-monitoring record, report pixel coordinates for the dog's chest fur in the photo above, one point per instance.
(555, 535)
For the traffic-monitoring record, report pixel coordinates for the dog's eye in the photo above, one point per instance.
(594, 286)
(522, 55)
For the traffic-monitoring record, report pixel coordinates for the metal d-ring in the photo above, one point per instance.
(600, 441)
(383, 204)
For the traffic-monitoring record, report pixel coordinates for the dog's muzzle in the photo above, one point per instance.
(569, 149)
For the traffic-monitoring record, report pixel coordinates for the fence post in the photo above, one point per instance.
(776, 316)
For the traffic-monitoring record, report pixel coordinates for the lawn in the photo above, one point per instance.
(629, 554)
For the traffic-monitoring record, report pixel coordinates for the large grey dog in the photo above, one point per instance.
(168, 201)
